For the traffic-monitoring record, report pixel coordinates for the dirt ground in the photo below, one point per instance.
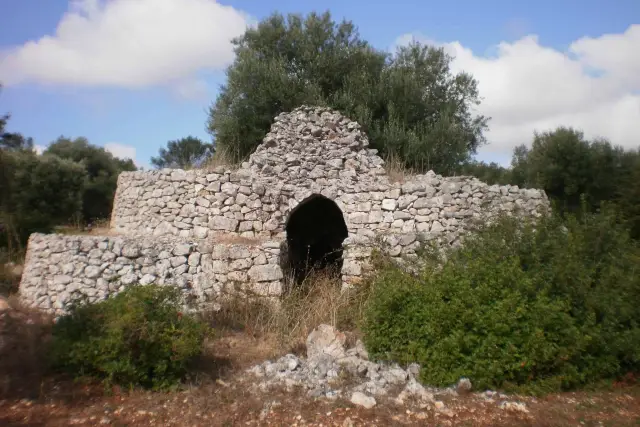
(221, 395)
(232, 406)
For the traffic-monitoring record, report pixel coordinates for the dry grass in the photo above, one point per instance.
(11, 266)
(24, 337)
(397, 171)
(100, 227)
(10, 274)
(221, 158)
(319, 299)
(232, 238)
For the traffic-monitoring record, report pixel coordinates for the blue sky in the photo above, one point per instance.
(534, 62)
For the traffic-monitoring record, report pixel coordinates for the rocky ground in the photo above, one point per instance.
(245, 380)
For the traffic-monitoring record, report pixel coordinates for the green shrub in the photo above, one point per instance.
(538, 308)
(101, 169)
(138, 337)
(38, 192)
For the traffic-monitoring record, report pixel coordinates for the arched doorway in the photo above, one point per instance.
(315, 231)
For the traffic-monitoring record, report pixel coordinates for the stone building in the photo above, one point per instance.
(312, 194)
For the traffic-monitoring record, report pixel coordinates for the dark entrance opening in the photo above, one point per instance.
(315, 232)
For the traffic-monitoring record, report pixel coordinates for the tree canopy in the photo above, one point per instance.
(15, 141)
(409, 102)
(3, 123)
(38, 192)
(102, 170)
(569, 167)
(184, 153)
(578, 173)
(71, 181)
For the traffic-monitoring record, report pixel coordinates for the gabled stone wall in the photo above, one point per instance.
(308, 153)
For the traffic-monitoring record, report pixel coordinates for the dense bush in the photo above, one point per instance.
(544, 308)
(102, 170)
(38, 192)
(138, 337)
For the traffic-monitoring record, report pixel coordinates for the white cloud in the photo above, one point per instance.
(128, 43)
(593, 86)
(121, 151)
(39, 149)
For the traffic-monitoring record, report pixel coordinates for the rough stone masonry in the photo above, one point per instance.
(312, 191)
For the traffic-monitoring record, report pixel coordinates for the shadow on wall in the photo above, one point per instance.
(315, 231)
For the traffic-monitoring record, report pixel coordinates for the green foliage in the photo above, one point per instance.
(73, 180)
(38, 192)
(628, 192)
(102, 171)
(567, 166)
(538, 308)
(184, 153)
(138, 337)
(571, 168)
(15, 142)
(491, 173)
(560, 162)
(410, 103)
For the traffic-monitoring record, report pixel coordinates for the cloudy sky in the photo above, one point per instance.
(132, 74)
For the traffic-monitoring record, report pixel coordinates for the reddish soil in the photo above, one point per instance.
(221, 395)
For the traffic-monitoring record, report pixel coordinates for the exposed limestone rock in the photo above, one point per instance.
(464, 385)
(514, 407)
(330, 371)
(325, 339)
(361, 399)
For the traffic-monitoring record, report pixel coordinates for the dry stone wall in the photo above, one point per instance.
(62, 268)
(311, 151)
(173, 224)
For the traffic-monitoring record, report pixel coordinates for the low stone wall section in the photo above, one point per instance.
(197, 204)
(61, 268)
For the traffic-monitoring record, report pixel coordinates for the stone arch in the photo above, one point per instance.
(315, 230)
